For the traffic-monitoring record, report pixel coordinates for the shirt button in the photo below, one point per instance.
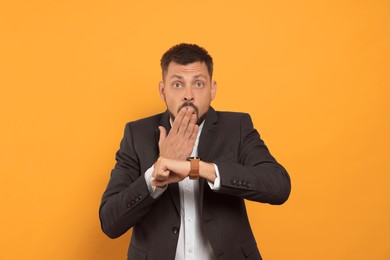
(189, 219)
(175, 230)
(190, 250)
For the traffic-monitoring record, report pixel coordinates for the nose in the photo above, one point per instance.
(188, 95)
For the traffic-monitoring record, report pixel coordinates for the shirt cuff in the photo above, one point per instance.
(154, 191)
(217, 182)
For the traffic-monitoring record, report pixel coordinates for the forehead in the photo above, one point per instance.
(195, 69)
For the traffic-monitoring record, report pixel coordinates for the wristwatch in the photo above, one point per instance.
(194, 172)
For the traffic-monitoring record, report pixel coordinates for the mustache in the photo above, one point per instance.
(189, 104)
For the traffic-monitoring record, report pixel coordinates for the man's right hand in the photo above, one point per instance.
(180, 141)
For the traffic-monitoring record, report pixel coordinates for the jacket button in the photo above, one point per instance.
(132, 202)
(248, 184)
(128, 205)
(175, 230)
(234, 181)
(140, 196)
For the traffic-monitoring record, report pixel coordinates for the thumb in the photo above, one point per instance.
(163, 135)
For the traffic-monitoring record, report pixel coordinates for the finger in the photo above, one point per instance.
(162, 176)
(186, 120)
(159, 183)
(159, 172)
(193, 136)
(179, 117)
(160, 180)
(191, 125)
(163, 135)
(155, 182)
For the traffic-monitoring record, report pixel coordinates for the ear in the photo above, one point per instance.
(213, 89)
(161, 90)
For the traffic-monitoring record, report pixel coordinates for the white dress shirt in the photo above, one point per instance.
(193, 243)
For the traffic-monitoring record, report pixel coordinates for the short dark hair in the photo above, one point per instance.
(185, 53)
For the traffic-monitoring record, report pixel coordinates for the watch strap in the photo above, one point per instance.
(194, 171)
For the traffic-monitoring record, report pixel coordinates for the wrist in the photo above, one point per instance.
(207, 171)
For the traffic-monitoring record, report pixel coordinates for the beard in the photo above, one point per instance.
(189, 104)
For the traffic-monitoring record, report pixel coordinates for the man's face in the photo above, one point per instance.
(185, 85)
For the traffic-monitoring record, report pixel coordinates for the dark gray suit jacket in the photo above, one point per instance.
(247, 171)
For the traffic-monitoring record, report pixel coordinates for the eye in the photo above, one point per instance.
(199, 84)
(177, 85)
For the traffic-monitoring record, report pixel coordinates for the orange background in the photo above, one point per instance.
(314, 75)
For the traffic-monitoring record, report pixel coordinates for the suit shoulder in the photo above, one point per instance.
(144, 126)
(147, 121)
(228, 115)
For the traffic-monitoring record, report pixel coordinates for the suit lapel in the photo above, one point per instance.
(207, 137)
(206, 145)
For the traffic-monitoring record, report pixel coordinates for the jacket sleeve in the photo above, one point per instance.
(127, 198)
(256, 175)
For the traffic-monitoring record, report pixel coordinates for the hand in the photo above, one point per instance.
(168, 171)
(180, 141)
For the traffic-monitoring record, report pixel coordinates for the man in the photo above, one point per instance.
(181, 177)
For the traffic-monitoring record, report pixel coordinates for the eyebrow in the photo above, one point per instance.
(176, 76)
(181, 77)
(200, 76)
